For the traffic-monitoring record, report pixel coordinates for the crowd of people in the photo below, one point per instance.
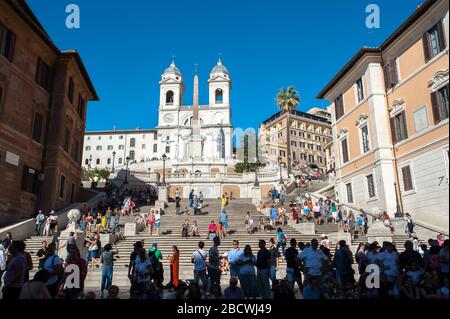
(322, 211)
(313, 270)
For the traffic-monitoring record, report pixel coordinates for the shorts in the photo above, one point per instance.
(225, 224)
(157, 224)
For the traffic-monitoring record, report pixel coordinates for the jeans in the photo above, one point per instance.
(116, 229)
(191, 202)
(263, 283)
(234, 271)
(38, 228)
(283, 246)
(91, 254)
(214, 275)
(292, 278)
(108, 222)
(201, 275)
(107, 275)
(273, 276)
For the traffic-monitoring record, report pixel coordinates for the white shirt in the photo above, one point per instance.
(390, 260)
(313, 260)
(157, 217)
(199, 257)
(2, 258)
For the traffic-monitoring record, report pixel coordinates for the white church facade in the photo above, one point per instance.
(209, 151)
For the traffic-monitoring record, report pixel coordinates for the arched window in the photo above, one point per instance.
(219, 96)
(132, 142)
(86, 161)
(132, 154)
(108, 161)
(169, 97)
(97, 161)
(120, 160)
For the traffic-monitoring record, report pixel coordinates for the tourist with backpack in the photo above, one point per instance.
(199, 259)
(156, 256)
(53, 264)
(282, 240)
(107, 260)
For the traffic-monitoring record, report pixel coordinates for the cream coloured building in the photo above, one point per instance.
(390, 120)
(309, 133)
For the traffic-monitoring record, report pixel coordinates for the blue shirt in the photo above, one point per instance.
(40, 218)
(84, 225)
(273, 213)
(233, 255)
(223, 217)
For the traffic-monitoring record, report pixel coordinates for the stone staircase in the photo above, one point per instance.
(171, 235)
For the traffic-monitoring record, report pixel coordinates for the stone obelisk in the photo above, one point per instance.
(196, 139)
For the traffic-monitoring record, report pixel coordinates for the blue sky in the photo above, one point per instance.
(265, 45)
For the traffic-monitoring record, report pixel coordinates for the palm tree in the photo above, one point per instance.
(287, 100)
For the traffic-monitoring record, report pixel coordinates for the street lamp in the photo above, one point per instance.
(164, 157)
(281, 172)
(114, 156)
(256, 174)
(127, 160)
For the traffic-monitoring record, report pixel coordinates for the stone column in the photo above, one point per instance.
(256, 195)
(73, 215)
(161, 203)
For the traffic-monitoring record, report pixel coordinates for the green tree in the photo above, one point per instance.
(287, 100)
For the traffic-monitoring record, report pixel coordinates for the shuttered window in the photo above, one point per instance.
(30, 181)
(365, 139)
(37, 127)
(439, 103)
(43, 74)
(81, 104)
(433, 41)
(344, 147)
(7, 42)
(370, 186)
(62, 181)
(360, 89)
(67, 140)
(70, 91)
(407, 179)
(390, 74)
(349, 192)
(399, 130)
(339, 107)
